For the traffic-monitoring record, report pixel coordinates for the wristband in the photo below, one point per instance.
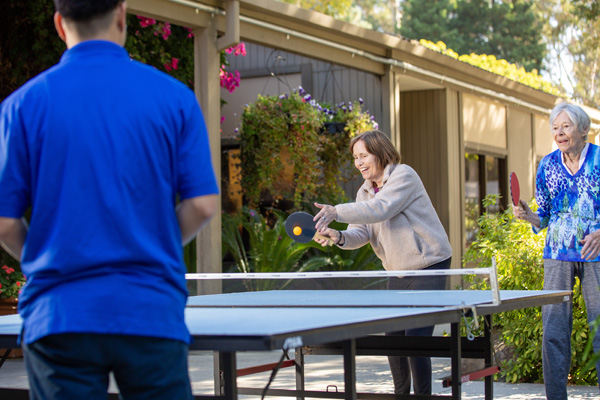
(340, 239)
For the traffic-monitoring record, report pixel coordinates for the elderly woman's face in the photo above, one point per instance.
(366, 163)
(567, 135)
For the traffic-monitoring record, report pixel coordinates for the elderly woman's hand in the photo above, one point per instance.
(591, 246)
(522, 211)
(327, 215)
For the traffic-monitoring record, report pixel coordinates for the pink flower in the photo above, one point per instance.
(239, 49)
(145, 22)
(222, 119)
(166, 30)
(172, 65)
(190, 32)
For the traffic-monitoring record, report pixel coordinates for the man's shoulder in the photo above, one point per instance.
(156, 76)
(32, 90)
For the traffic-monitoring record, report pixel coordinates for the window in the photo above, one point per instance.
(484, 175)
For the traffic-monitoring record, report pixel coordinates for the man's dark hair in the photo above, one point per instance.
(84, 10)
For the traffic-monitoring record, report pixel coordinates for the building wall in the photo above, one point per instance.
(520, 149)
(430, 143)
(437, 126)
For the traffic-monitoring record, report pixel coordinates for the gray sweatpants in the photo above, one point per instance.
(558, 320)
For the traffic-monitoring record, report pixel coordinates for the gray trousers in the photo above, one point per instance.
(558, 320)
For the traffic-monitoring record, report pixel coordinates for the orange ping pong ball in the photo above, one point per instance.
(297, 230)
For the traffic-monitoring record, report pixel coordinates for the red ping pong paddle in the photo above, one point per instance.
(515, 190)
(301, 228)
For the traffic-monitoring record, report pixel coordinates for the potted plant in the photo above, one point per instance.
(291, 155)
(279, 149)
(11, 283)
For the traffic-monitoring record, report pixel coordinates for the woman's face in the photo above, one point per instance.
(367, 163)
(566, 135)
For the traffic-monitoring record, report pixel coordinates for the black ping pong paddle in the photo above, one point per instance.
(515, 190)
(301, 228)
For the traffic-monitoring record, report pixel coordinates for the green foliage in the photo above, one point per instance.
(518, 252)
(159, 43)
(269, 247)
(500, 67)
(505, 29)
(287, 153)
(334, 8)
(427, 20)
(260, 244)
(280, 131)
(29, 42)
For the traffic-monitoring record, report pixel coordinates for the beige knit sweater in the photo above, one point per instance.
(399, 222)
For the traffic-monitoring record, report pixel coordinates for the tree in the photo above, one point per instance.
(506, 29)
(28, 42)
(335, 8)
(428, 20)
(379, 15)
(572, 34)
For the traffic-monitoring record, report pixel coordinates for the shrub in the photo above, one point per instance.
(518, 252)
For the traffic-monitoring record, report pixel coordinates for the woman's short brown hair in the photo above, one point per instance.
(378, 144)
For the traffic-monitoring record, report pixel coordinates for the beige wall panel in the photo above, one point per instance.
(542, 137)
(430, 143)
(520, 150)
(484, 121)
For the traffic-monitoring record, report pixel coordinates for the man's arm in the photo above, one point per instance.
(12, 235)
(194, 213)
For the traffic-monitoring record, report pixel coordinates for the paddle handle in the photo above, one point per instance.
(319, 236)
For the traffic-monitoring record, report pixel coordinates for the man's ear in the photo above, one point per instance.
(122, 16)
(58, 20)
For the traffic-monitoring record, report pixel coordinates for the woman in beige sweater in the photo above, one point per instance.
(394, 214)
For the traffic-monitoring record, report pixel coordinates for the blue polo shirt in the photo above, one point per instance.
(100, 147)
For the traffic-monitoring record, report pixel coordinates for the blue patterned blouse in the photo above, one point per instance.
(569, 205)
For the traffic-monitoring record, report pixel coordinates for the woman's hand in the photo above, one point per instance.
(591, 246)
(327, 215)
(522, 211)
(328, 237)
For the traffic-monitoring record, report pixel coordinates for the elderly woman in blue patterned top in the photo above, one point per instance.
(567, 192)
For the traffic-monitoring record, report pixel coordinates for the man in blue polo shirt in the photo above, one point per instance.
(100, 148)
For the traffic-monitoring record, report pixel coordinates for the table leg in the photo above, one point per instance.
(455, 352)
(225, 370)
(4, 356)
(350, 369)
(299, 357)
(488, 359)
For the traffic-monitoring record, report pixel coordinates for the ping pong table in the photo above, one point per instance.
(346, 322)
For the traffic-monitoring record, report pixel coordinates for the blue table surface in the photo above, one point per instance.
(311, 309)
(360, 298)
